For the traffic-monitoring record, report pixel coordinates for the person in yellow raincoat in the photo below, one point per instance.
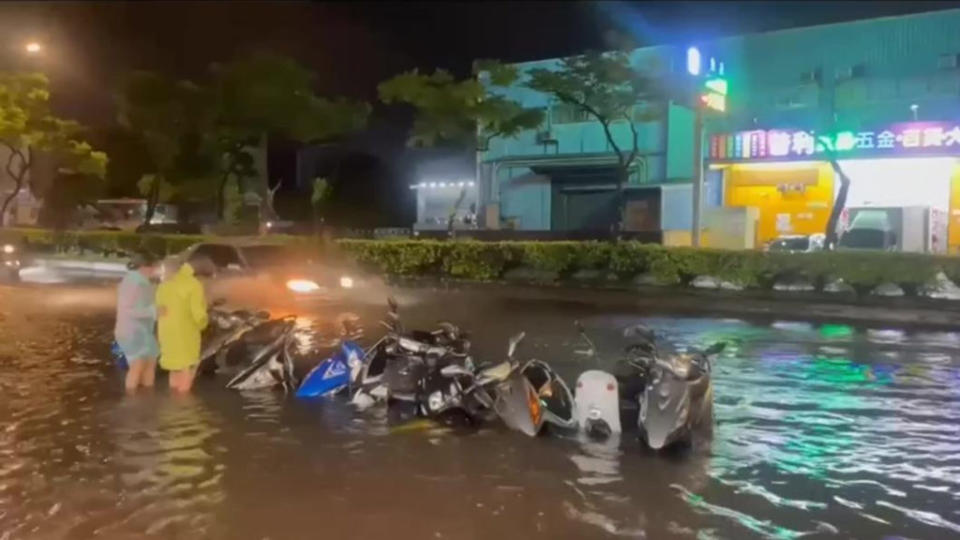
(182, 316)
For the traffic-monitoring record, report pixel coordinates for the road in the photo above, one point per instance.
(822, 429)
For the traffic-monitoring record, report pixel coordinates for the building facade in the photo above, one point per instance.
(881, 97)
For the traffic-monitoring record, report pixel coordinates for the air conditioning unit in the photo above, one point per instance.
(948, 61)
(810, 77)
(855, 71)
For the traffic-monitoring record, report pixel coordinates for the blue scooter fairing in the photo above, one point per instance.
(119, 358)
(333, 374)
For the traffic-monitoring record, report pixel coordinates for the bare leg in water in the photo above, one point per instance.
(140, 372)
(181, 381)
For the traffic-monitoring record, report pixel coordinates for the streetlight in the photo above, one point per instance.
(33, 47)
(913, 108)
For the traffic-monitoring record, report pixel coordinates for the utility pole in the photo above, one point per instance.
(697, 174)
(707, 89)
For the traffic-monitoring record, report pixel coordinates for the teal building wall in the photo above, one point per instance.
(854, 75)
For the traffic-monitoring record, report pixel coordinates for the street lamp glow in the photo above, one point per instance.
(33, 47)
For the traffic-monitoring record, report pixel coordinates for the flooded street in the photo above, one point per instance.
(821, 431)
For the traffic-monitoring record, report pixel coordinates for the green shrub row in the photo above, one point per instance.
(666, 265)
(620, 261)
(106, 243)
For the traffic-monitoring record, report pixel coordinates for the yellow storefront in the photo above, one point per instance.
(795, 196)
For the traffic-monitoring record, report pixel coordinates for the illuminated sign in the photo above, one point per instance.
(918, 138)
(693, 61)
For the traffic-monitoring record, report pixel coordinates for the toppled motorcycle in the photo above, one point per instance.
(402, 364)
(672, 392)
(250, 348)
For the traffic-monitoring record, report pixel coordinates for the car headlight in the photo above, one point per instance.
(302, 285)
(346, 282)
(435, 401)
(9, 248)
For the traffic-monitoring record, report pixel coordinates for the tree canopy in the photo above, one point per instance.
(28, 126)
(268, 95)
(202, 137)
(460, 112)
(171, 119)
(609, 89)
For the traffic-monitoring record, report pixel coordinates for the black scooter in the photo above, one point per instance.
(397, 365)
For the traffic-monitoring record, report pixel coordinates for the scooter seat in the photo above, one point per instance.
(496, 372)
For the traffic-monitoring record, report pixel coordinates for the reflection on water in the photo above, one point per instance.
(821, 430)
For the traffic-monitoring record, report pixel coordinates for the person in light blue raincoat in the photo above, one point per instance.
(135, 330)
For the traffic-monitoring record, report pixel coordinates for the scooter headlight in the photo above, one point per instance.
(435, 401)
(9, 248)
(346, 282)
(533, 405)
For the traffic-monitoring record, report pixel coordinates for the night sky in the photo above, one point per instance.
(353, 45)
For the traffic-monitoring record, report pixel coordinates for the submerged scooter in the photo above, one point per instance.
(529, 396)
(337, 372)
(395, 366)
(268, 363)
(223, 340)
(674, 393)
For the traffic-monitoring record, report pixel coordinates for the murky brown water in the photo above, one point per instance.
(826, 431)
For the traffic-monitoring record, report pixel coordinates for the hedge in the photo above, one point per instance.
(620, 261)
(625, 261)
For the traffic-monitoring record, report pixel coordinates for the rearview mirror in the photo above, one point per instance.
(514, 341)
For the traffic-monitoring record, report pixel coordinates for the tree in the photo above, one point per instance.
(66, 192)
(318, 198)
(839, 203)
(28, 126)
(608, 88)
(267, 95)
(463, 112)
(171, 118)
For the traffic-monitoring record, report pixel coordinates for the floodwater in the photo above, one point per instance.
(823, 431)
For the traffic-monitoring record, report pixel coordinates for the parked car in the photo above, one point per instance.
(797, 243)
(282, 267)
